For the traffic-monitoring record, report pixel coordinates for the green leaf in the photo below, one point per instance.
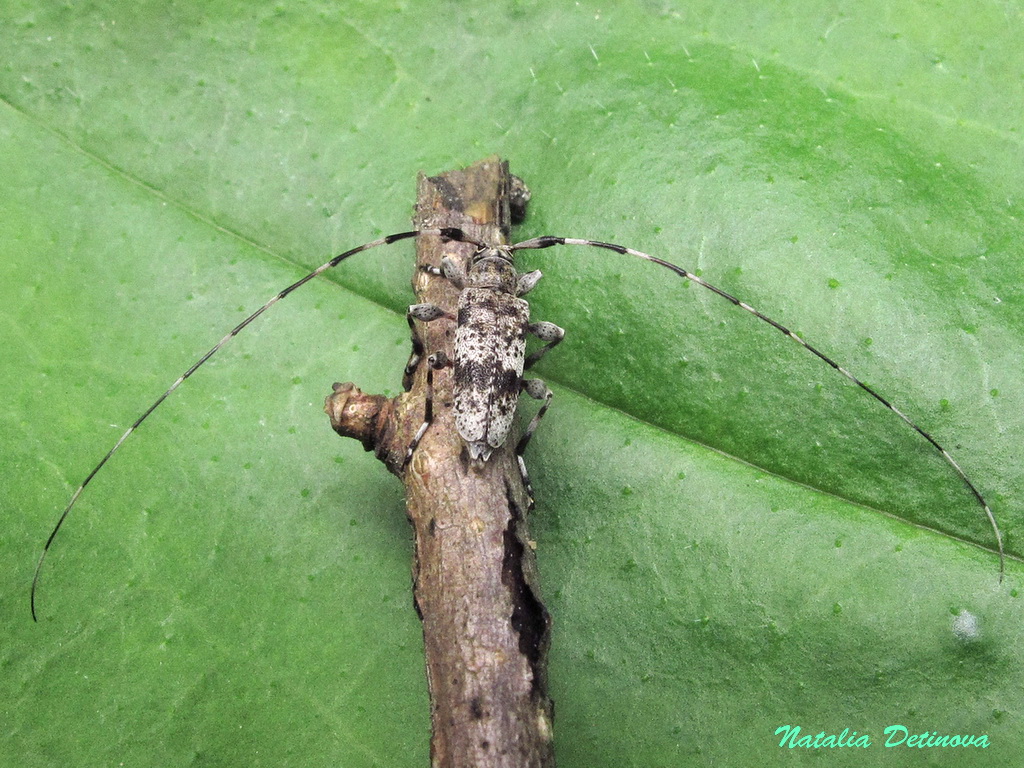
(731, 538)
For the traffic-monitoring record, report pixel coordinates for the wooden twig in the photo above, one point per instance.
(485, 629)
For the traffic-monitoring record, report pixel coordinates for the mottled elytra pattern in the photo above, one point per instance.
(490, 350)
(492, 324)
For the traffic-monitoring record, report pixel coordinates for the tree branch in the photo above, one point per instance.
(485, 629)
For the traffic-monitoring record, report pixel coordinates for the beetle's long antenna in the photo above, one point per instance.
(535, 243)
(216, 347)
(547, 242)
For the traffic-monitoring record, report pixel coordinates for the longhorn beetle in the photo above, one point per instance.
(489, 355)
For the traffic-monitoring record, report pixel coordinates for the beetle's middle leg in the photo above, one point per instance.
(425, 313)
(548, 332)
(435, 362)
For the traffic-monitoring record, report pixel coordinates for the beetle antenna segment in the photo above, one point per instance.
(548, 241)
(195, 366)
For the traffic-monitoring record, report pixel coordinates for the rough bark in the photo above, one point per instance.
(485, 629)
